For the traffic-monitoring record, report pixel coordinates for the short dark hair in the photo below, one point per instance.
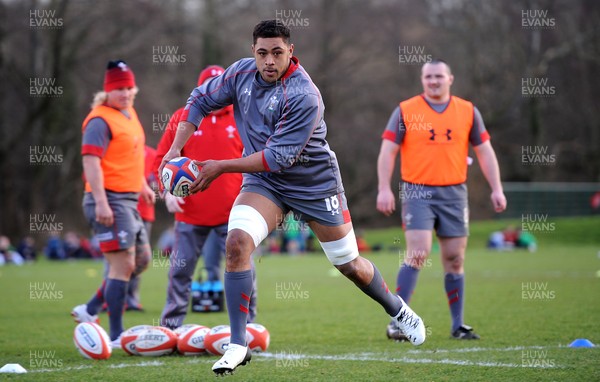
(440, 61)
(270, 29)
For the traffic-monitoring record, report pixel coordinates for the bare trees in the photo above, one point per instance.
(53, 53)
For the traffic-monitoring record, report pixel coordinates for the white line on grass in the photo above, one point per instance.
(115, 366)
(348, 357)
(476, 350)
(371, 357)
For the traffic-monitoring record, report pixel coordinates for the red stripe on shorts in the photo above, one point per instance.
(109, 246)
(346, 215)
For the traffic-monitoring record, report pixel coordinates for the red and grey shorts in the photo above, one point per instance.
(330, 211)
(128, 229)
(443, 208)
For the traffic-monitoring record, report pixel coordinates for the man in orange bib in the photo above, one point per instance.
(112, 150)
(432, 132)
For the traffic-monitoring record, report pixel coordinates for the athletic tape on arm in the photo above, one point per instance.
(250, 221)
(341, 251)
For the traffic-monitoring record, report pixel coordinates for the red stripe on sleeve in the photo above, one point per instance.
(485, 136)
(245, 297)
(389, 135)
(265, 164)
(184, 114)
(92, 150)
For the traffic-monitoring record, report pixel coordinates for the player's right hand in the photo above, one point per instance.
(386, 202)
(104, 214)
(173, 203)
(171, 154)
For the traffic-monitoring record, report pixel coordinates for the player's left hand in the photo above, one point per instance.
(498, 201)
(209, 171)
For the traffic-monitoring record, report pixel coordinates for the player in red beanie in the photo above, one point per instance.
(118, 75)
(113, 162)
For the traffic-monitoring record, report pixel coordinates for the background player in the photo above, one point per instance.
(432, 132)
(113, 164)
(287, 165)
(147, 213)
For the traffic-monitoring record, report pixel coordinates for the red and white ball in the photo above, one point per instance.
(217, 339)
(192, 341)
(129, 337)
(178, 175)
(156, 341)
(257, 337)
(184, 329)
(92, 341)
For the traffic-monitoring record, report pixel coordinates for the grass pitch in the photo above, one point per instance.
(527, 307)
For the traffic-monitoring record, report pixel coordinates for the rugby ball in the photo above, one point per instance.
(129, 337)
(92, 341)
(217, 339)
(178, 175)
(192, 341)
(257, 337)
(184, 329)
(156, 341)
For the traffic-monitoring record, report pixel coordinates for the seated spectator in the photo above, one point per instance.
(93, 245)
(73, 247)
(511, 238)
(526, 240)
(511, 234)
(55, 249)
(8, 255)
(27, 248)
(496, 240)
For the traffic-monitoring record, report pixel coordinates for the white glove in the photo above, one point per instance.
(173, 203)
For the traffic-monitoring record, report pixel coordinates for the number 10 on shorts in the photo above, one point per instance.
(333, 204)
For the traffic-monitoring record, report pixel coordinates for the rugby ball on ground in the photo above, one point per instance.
(257, 337)
(217, 339)
(129, 337)
(92, 341)
(184, 328)
(178, 175)
(192, 341)
(156, 341)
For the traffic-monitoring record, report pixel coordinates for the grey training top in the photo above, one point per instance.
(284, 120)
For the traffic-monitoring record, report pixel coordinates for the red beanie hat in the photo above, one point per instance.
(118, 75)
(210, 72)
